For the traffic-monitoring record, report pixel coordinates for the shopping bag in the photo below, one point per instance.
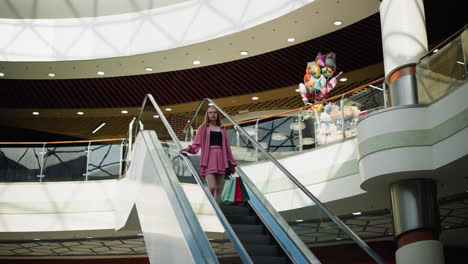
(234, 191)
(229, 190)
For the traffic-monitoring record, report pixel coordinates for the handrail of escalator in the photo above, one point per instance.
(230, 232)
(319, 204)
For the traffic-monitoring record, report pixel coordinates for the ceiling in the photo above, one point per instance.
(273, 76)
(52, 9)
(86, 46)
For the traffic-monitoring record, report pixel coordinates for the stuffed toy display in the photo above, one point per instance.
(319, 79)
(331, 122)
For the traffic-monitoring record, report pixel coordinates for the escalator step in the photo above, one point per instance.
(265, 239)
(269, 260)
(242, 219)
(262, 250)
(248, 229)
(235, 210)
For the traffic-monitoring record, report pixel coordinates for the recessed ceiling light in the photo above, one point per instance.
(124, 112)
(36, 239)
(168, 109)
(243, 53)
(80, 113)
(291, 39)
(196, 62)
(255, 98)
(89, 237)
(51, 74)
(436, 50)
(156, 116)
(357, 213)
(100, 73)
(343, 79)
(2, 74)
(337, 23)
(35, 113)
(299, 220)
(148, 69)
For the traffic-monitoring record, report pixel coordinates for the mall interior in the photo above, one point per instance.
(347, 120)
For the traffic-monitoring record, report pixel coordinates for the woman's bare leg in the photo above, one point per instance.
(211, 183)
(215, 183)
(219, 187)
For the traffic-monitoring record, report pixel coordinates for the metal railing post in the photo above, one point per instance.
(256, 138)
(299, 121)
(342, 117)
(130, 139)
(87, 151)
(42, 153)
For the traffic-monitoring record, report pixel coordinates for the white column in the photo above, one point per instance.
(421, 252)
(404, 38)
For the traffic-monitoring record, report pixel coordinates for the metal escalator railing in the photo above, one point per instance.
(230, 232)
(295, 182)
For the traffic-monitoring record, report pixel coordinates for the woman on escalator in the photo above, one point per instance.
(216, 155)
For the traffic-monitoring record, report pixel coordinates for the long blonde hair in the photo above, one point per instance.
(205, 120)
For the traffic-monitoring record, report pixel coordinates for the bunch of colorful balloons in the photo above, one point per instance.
(319, 79)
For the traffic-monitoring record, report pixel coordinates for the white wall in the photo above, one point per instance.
(413, 141)
(57, 206)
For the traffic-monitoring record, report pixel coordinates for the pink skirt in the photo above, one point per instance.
(215, 163)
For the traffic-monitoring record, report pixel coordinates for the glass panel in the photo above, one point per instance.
(104, 161)
(64, 162)
(359, 104)
(205, 213)
(307, 124)
(329, 125)
(277, 134)
(443, 71)
(20, 164)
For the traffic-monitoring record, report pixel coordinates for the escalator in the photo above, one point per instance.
(254, 235)
(258, 233)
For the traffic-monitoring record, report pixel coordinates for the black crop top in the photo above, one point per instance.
(215, 138)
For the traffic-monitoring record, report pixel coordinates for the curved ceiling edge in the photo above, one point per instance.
(260, 39)
(53, 9)
(134, 33)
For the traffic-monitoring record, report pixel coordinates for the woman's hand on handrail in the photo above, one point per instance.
(184, 150)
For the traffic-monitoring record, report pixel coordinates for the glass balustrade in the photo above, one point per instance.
(52, 162)
(305, 128)
(443, 70)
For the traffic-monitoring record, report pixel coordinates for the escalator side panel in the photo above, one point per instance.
(286, 237)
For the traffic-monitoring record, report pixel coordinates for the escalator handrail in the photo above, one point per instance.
(230, 232)
(319, 204)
